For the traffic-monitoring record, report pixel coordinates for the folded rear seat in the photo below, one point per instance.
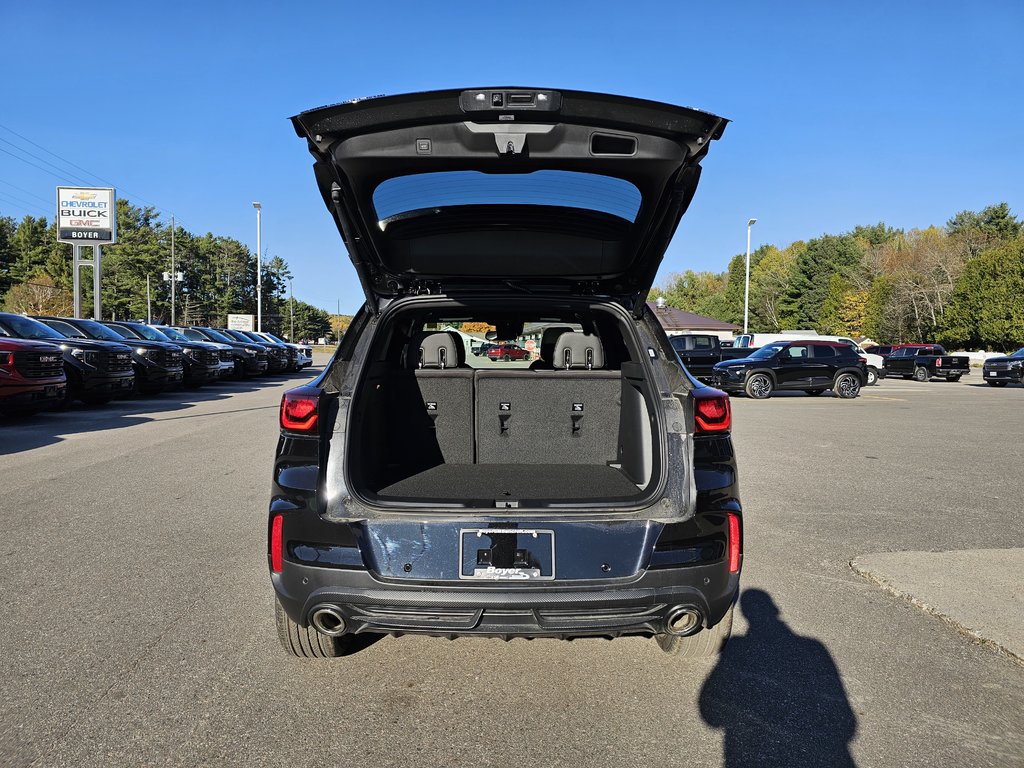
(568, 415)
(431, 403)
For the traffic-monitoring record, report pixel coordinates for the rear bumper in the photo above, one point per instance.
(555, 609)
(945, 372)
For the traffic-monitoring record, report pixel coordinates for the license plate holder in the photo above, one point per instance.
(507, 554)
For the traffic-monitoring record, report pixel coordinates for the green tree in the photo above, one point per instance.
(823, 257)
(991, 226)
(987, 307)
(7, 252)
(770, 281)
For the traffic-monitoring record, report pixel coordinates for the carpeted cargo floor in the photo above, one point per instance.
(492, 482)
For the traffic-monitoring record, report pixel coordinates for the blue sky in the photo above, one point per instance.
(844, 113)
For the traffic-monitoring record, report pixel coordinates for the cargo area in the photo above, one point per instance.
(573, 423)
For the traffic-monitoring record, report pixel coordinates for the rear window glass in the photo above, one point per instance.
(823, 351)
(568, 189)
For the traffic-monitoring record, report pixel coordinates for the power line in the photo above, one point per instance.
(44, 170)
(23, 204)
(73, 165)
(59, 157)
(46, 162)
(30, 194)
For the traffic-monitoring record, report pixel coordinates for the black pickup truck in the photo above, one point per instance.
(925, 362)
(699, 352)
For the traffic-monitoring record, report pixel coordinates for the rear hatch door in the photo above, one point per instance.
(522, 189)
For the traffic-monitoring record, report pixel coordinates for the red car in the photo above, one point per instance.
(31, 376)
(508, 352)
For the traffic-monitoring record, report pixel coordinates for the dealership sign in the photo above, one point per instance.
(86, 215)
(240, 322)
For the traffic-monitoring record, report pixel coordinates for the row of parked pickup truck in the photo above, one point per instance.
(48, 362)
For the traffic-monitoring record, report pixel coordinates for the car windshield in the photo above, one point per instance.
(218, 336)
(765, 352)
(148, 333)
(100, 331)
(1019, 353)
(235, 335)
(566, 189)
(278, 339)
(128, 333)
(27, 328)
(172, 334)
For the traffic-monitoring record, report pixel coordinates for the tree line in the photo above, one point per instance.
(961, 284)
(219, 275)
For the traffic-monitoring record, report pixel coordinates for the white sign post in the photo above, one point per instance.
(86, 218)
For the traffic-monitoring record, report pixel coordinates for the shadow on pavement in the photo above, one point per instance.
(19, 434)
(777, 696)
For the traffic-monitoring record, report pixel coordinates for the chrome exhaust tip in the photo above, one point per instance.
(683, 620)
(327, 620)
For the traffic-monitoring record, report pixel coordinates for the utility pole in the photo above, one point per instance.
(149, 304)
(174, 273)
(259, 268)
(746, 282)
(291, 307)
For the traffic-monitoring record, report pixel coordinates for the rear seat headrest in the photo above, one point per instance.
(575, 351)
(436, 350)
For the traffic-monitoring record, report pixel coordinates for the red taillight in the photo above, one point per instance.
(299, 410)
(734, 542)
(276, 550)
(711, 413)
(938, 362)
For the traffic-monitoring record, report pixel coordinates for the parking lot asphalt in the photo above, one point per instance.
(139, 626)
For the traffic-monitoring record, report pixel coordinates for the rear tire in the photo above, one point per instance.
(506, 357)
(872, 376)
(847, 386)
(921, 374)
(759, 386)
(997, 383)
(706, 644)
(305, 642)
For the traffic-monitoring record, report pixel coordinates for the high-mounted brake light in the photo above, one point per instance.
(711, 413)
(276, 544)
(734, 542)
(299, 410)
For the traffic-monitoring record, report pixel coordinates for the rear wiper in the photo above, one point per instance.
(518, 287)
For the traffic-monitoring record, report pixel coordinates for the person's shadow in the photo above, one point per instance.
(777, 696)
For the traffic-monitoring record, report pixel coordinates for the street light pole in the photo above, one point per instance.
(259, 269)
(174, 274)
(291, 312)
(746, 285)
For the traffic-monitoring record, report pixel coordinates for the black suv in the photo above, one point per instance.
(1000, 371)
(811, 366)
(249, 359)
(97, 371)
(420, 490)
